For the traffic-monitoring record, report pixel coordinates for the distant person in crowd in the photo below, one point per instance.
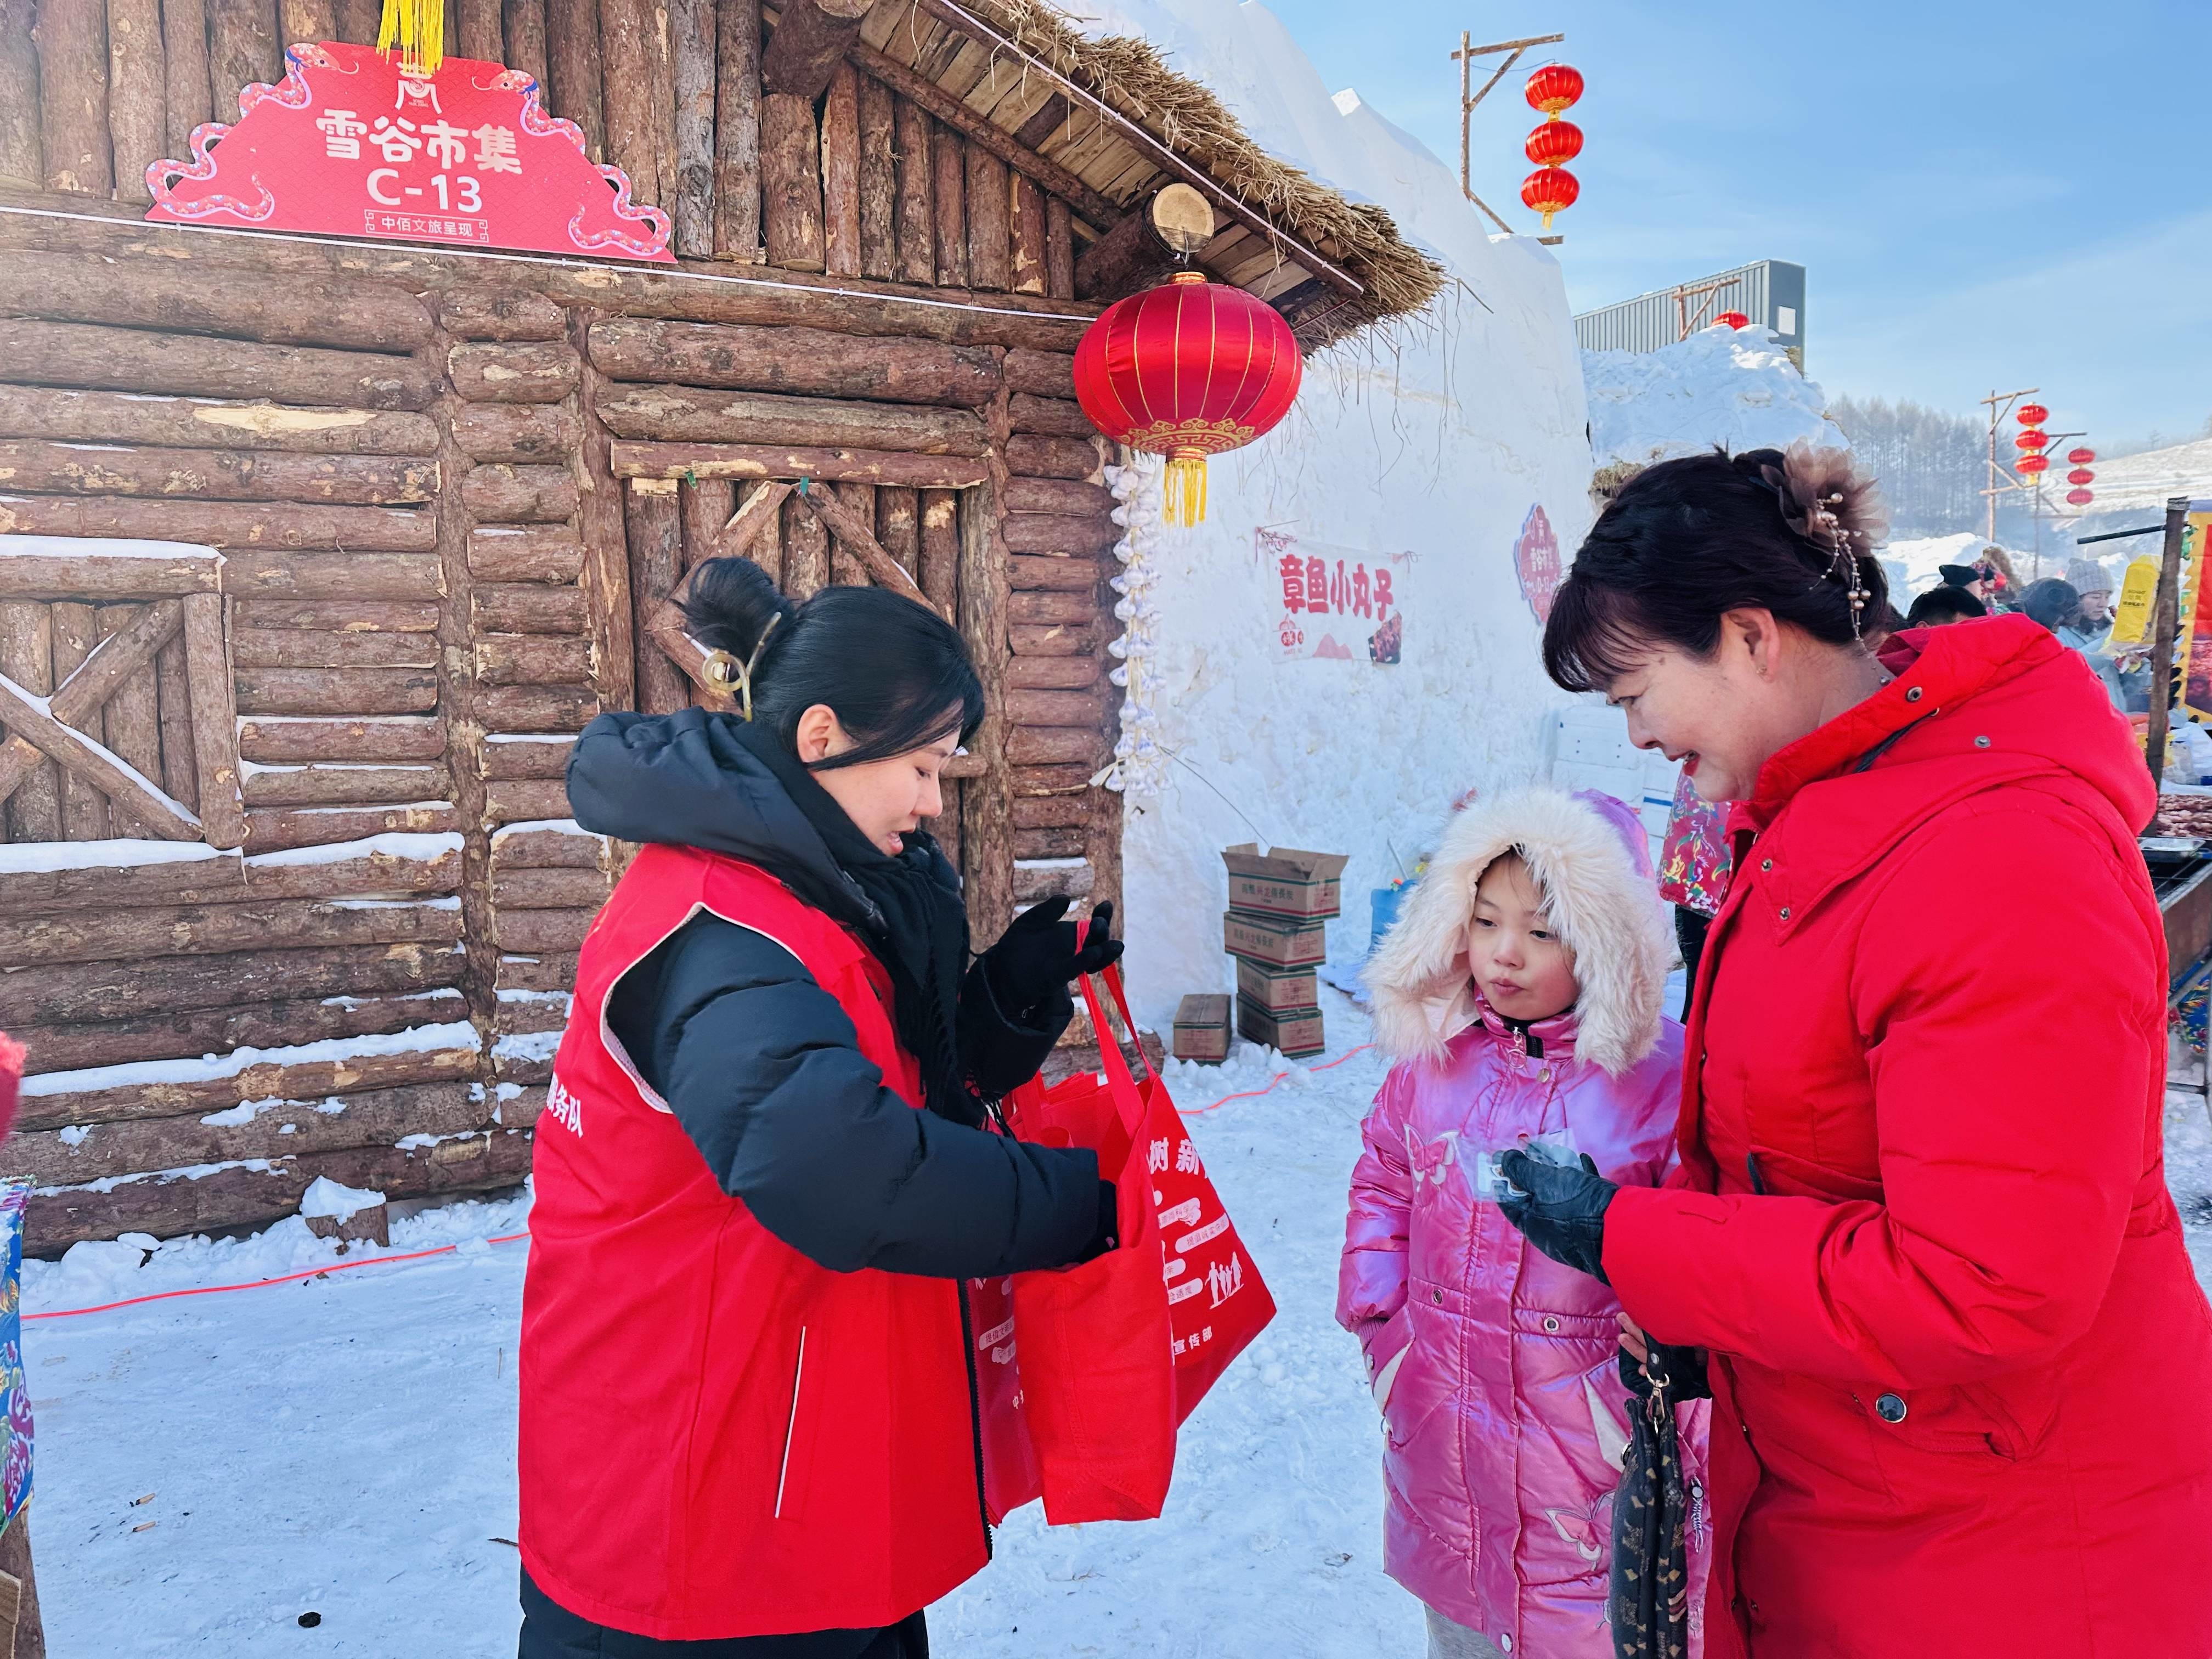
(1940, 606)
(1519, 992)
(2089, 629)
(749, 1427)
(1981, 579)
(1921, 1243)
(2087, 578)
(2053, 602)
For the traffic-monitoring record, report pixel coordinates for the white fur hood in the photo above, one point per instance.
(1601, 899)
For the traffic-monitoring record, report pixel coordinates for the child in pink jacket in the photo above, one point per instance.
(1519, 993)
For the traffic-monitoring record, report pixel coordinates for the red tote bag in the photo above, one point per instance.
(1116, 1353)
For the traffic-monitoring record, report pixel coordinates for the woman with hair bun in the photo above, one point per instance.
(749, 1427)
(1921, 1231)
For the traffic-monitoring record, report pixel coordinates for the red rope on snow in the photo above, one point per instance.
(256, 1284)
(509, 1238)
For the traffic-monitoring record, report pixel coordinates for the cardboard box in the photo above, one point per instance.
(1286, 882)
(1279, 990)
(1296, 1034)
(1285, 944)
(1202, 1029)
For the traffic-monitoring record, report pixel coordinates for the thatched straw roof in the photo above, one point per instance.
(1300, 217)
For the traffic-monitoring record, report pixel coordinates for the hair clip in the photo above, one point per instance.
(723, 671)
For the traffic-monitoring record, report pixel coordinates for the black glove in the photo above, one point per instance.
(1014, 1003)
(1036, 958)
(1683, 1368)
(1564, 1213)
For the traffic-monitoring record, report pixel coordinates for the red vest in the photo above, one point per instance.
(718, 1436)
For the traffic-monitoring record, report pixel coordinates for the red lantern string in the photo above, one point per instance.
(2080, 475)
(2080, 497)
(2031, 439)
(1185, 370)
(2032, 463)
(2032, 415)
(1733, 319)
(1553, 88)
(1554, 141)
(2081, 457)
(1548, 191)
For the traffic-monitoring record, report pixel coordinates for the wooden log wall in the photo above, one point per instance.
(436, 514)
(781, 134)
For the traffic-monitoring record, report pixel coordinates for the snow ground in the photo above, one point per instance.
(344, 1445)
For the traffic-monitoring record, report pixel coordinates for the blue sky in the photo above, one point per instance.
(1982, 195)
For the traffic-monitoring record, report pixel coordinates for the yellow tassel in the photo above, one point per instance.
(1183, 490)
(418, 28)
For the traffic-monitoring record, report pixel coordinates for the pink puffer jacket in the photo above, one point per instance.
(1504, 1416)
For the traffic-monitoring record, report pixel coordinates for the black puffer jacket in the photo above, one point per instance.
(761, 1067)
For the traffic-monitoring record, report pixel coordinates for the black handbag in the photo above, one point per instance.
(1648, 1594)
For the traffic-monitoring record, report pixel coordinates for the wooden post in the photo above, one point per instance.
(756, 534)
(917, 256)
(805, 550)
(138, 115)
(736, 132)
(187, 98)
(573, 67)
(358, 20)
(72, 39)
(986, 830)
(948, 174)
(480, 35)
(809, 44)
(313, 21)
(790, 182)
(21, 153)
(2166, 624)
(898, 527)
(939, 569)
(847, 568)
(26, 657)
(630, 59)
(605, 575)
(853, 523)
(242, 47)
(879, 181)
(523, 23)
(84, 809)
(1029, 237)
(134, 712)
(1127, 258)
(841, 174)
(1059, 249)
(708, 507)
(179, 773)
(990, 230)
(30, 1630)
(691, 23)
(654, 520)
(215, 721)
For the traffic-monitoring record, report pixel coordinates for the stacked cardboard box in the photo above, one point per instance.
(1201, 1028)
(1280, 904)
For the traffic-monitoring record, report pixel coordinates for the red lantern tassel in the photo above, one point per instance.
(1183, 490)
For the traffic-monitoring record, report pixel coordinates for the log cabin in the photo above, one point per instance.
(316, 551)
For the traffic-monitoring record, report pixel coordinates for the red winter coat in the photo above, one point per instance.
(1962, 1371)
(718, 1436)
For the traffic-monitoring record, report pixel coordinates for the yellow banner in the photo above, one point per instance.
(2138, 592)
(2196, 681)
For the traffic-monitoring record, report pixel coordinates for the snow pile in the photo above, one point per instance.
(1721, 385)
(328, 1199)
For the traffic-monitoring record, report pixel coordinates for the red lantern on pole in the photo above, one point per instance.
(2080, 497)
(2031, 439)
(1554, 141)
(2081, 457)
(1733, 319)
(1548, 191)
(2032, 464)
(2080, 475)
(2032, 415)
(1185, 370)
(1554, 88)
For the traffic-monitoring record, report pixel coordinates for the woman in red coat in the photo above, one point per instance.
(1961, 1369)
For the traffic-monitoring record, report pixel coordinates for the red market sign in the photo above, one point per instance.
(350, 146)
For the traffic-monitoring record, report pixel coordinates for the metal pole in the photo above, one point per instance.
(2167, 613)
(1466, 110)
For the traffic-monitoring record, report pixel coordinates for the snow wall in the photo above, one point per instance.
(1419, 452)
(1721, 385)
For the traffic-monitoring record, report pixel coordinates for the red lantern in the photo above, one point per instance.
(2032, 415)
(2080, 497)
(1555, 142)
(1188, 370)
(2080, 475)
(2031, 439)
(1554, 88)
(1548, 191)
(2081, 457)
(2032, 464)
(1733, 318)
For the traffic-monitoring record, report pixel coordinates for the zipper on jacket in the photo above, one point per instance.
(975, 1416)
(791, 1427)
